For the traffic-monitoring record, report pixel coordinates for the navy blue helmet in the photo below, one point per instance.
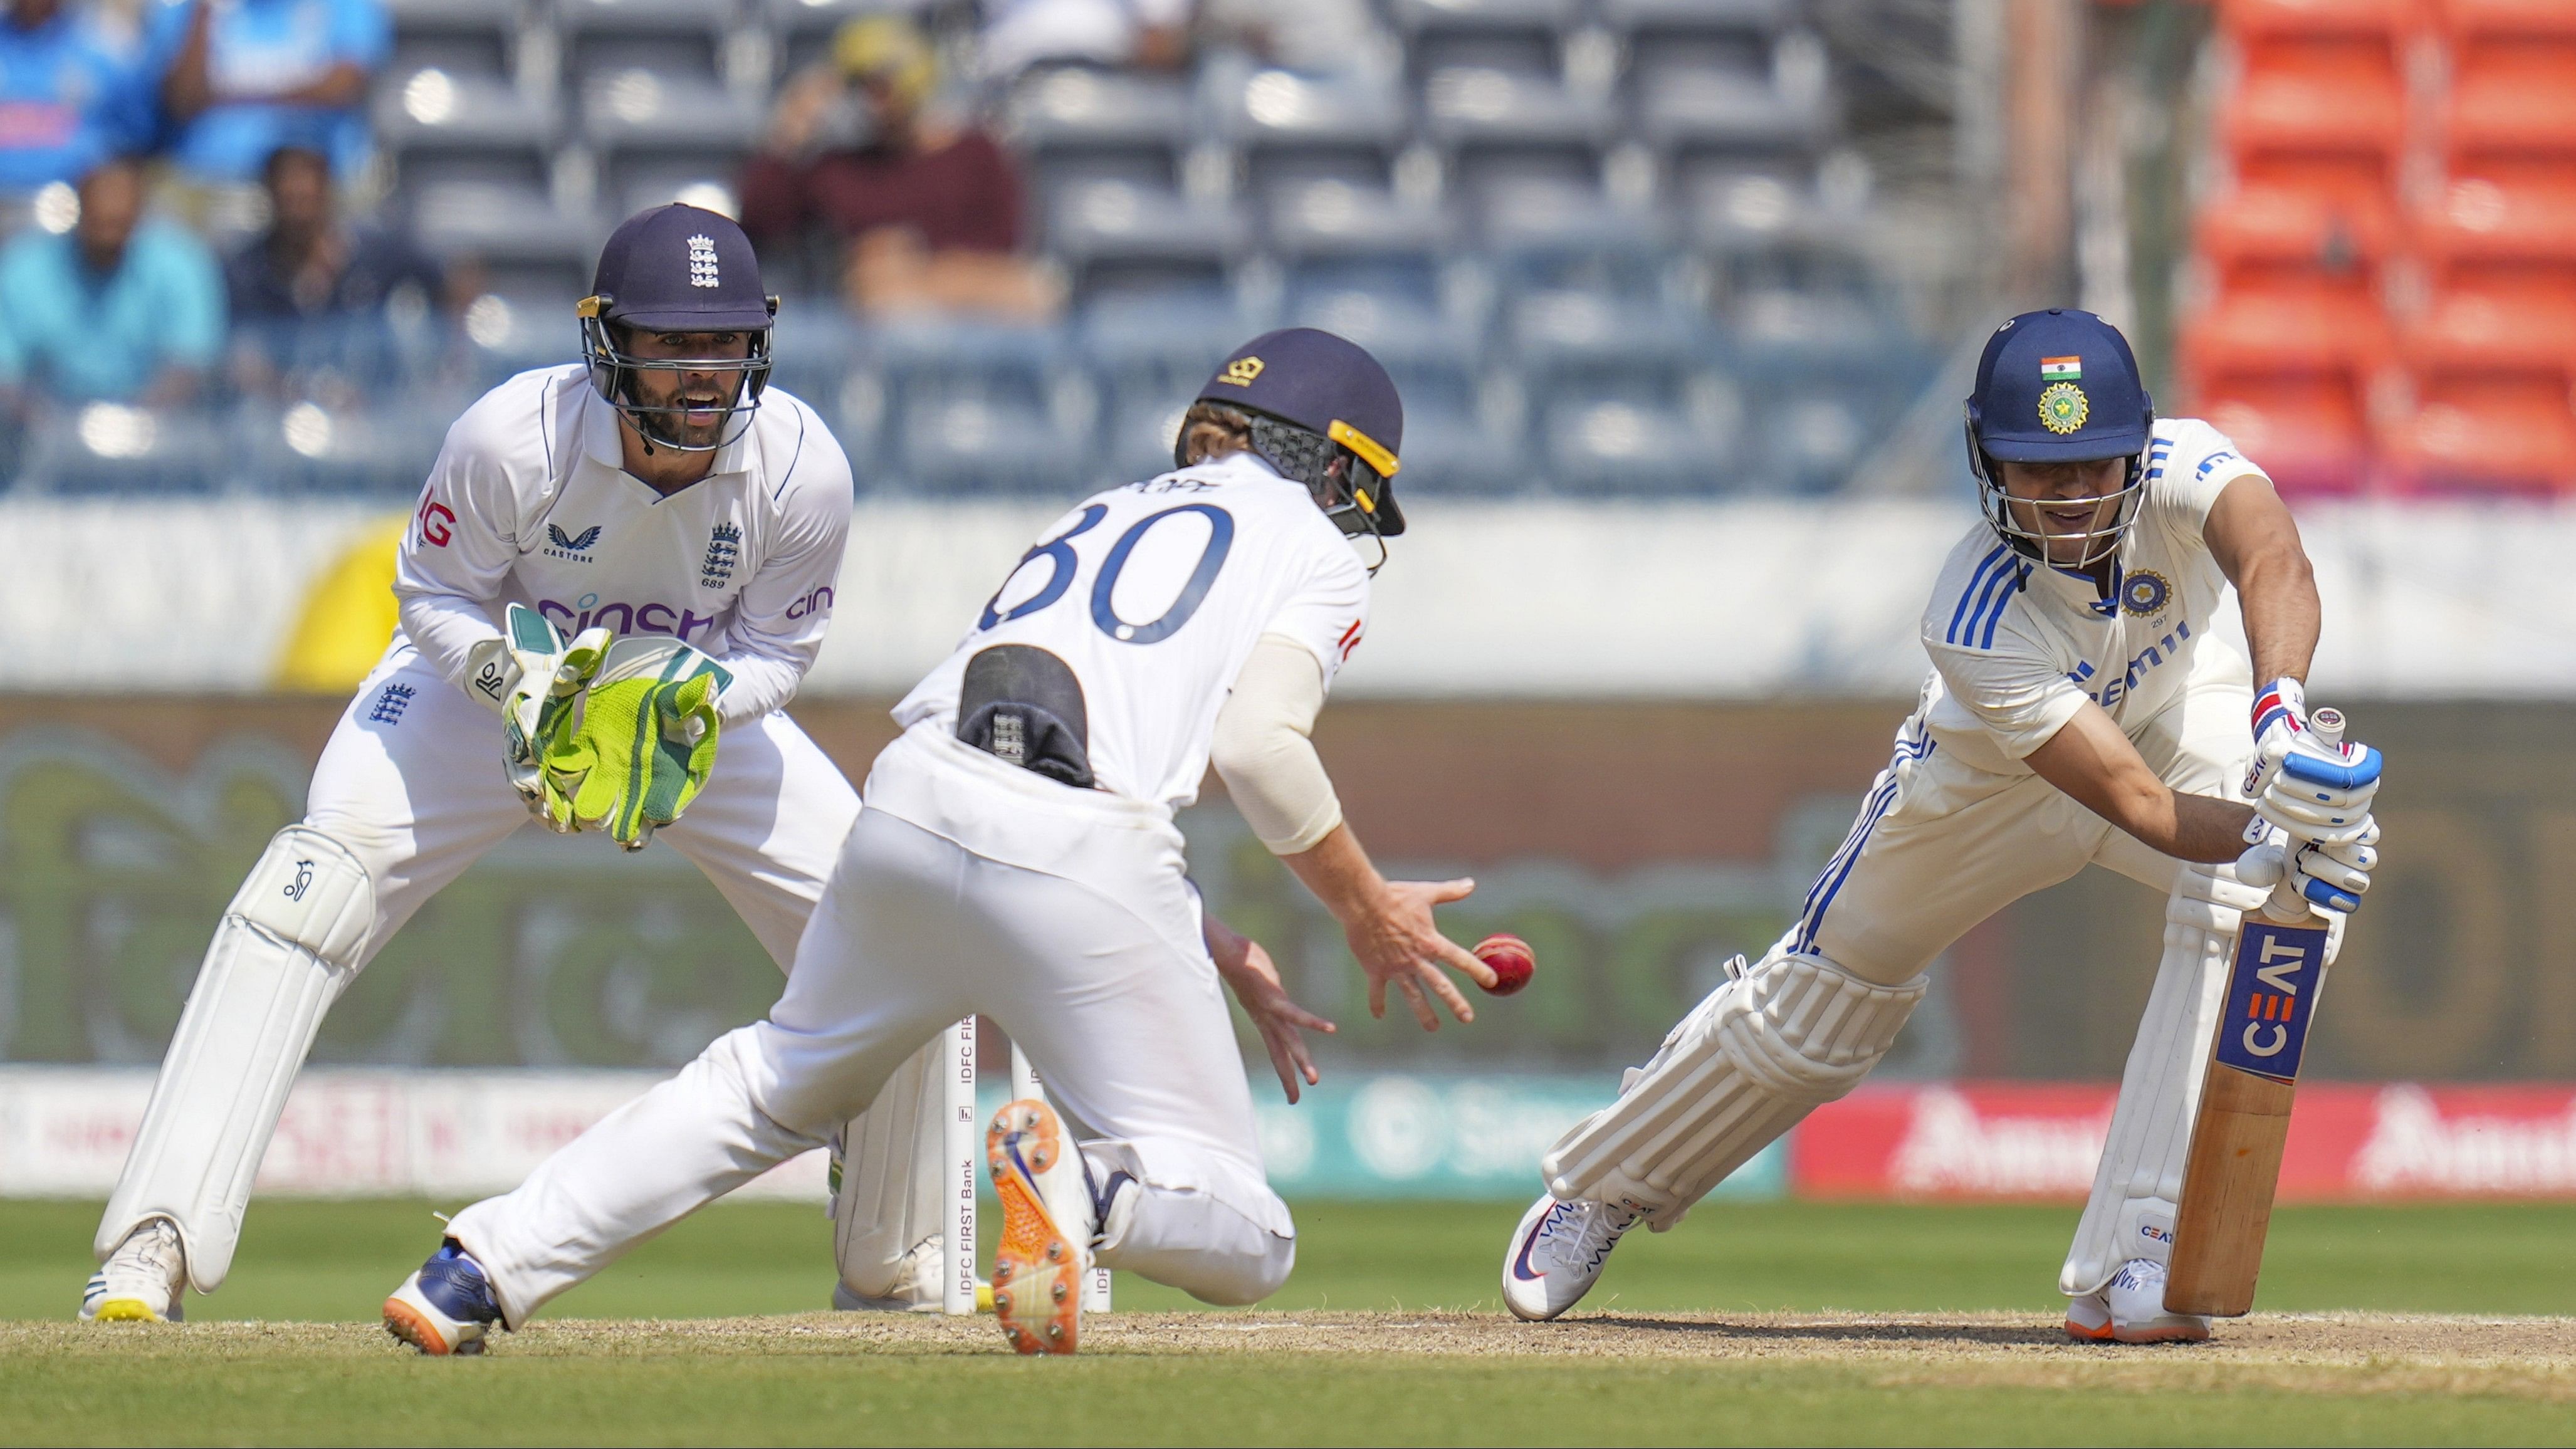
(1324, 413)
(2058, 386)
(677, 268)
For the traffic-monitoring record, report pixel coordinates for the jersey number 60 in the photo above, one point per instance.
(1062, 563)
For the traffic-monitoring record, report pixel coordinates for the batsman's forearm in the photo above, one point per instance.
(2282, 614)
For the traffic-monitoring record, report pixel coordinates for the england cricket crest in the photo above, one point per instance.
(2271, 997)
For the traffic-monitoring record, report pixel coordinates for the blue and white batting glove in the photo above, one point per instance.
(2280, 722)
(2332, 876)
(2320, 792)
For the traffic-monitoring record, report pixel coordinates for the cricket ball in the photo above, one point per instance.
(1511, 959)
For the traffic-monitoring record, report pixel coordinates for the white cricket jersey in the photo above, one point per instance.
(1154, 594)
(529, 502)
(2018, 648)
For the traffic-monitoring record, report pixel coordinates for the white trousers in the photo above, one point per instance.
(1095, 971)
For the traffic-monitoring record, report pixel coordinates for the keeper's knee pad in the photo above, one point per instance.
(291, 939)
(1759, 1053)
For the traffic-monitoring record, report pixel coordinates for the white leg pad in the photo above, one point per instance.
(288, 943)
(2139, 1183)
(1760, 1053)
(892, 1175)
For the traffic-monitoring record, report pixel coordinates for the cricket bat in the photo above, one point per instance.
(2234, 1163)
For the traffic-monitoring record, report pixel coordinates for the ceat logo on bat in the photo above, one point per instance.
(2271, 995)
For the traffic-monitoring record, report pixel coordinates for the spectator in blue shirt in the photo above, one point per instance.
(240, 78)
(122, 308)
(67, 101)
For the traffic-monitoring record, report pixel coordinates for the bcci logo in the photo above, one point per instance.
(2063, 407)
(702, 261)
(1241, 371)
(2145, 592)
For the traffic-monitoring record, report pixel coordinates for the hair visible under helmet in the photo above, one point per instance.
(677, 269)
(1324, 413)
(2058, 386)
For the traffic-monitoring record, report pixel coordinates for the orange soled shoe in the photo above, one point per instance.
(1045, 1253)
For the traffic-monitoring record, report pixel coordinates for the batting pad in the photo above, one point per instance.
(288, 943)
(894, 1177)
(2139, 1181)
(1760, 1053)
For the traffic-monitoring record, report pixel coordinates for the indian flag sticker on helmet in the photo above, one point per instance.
(2061, 369)
(2063, 407)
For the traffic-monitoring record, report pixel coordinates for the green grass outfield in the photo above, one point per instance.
(334, 1261)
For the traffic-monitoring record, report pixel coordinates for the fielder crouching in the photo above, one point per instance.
(2084, 707)
(1018, 858)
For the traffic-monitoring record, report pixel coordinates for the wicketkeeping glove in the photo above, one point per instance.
(644, 744)
(541, 678)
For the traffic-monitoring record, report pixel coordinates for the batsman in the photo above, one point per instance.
(2090, 702)
(617, 575)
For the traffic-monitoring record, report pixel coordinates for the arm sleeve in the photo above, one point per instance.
(784, 610)
(1264, 751)
(2020, 697)
(456, 552)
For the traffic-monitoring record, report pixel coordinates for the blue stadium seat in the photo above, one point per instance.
(638, 109)
(474, 37)
(1464, 432)
(514, 228)
(519, 326)
(1636, 443)
(103, 447)
(434, 110)
(1292, 128)
(812, 349)
(1135, 123)
(1524, 35)
(384, 450)
(1569, 337)
(1547, 232)
(1112, 233)
(978, 409)
(1338, 219)
(1151, 351)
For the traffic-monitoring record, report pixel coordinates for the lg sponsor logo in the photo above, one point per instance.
(436, 522)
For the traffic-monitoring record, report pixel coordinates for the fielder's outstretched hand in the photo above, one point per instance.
(1389, 926)
(1254, 979)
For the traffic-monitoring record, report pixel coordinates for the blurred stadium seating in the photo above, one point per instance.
(2392, 256)
(1588, 234)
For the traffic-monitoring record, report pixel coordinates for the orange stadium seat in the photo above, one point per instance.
(2487, 432)
(2465, 332)
(2320, 17)
(2472, 20)
(2267, 236)
(2289, 375)
(2339, 128)
(2512, 243)
(2512, 111)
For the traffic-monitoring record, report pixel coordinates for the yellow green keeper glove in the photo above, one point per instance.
(644, 744)
(537, 677)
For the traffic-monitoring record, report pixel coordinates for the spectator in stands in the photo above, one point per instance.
(240, 78)
(67, 100)
(316, 289)
(1146, 34)
(123, 308)
(927, 208)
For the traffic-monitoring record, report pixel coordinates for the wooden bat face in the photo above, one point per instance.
(2271, 998)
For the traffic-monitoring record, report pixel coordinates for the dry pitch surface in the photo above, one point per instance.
(1312, 1377)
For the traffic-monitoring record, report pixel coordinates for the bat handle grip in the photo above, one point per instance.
(2327, 723)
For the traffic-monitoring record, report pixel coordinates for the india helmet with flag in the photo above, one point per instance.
(2059, 386)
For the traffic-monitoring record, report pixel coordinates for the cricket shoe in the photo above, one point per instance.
(2131, 1309)
(142, 1280)
(1556, 1254)
(1044, 1258)
(447, 1307)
